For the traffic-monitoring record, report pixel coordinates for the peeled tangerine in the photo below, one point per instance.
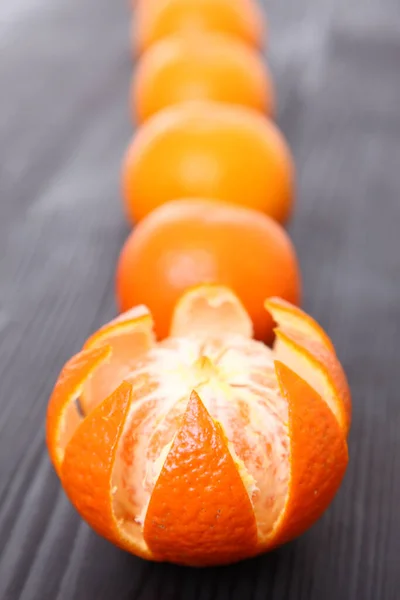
(208, 447)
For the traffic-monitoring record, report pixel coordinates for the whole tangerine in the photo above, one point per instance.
(189, 242)
(213, 150)
(242, 19)
(205, 67)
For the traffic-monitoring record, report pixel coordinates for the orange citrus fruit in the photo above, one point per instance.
(156, 20)
(212, 150)
(206, 67)
(189, 242)
(210, 447)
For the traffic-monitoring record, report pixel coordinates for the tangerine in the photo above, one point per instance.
(210, 447)
(242, 19)
(212, 150)
(189, 242)
(207, 67)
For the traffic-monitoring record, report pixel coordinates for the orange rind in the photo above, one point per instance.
(302, 344)
(208, 447)
(210, 310)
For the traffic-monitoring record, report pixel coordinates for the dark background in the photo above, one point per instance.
(64, 125)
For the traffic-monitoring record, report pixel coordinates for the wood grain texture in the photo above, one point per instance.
(64, 125)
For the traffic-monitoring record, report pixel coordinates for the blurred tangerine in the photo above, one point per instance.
(213, 150)
(190, 242)
(158, 19)
(204, 67)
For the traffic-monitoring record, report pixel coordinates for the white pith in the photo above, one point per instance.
(235, 379)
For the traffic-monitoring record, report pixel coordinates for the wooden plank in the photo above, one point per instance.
(64, 125)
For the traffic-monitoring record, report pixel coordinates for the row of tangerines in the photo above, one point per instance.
(206, 447)
(204, 100)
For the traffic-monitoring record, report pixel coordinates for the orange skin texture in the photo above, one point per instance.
(302, 335)
(185, 243)
(318, 460)
(200, 510)
(156, 20)
(330, 365)
(62, 416)
(90, 487)
(200, 469)
(202, 67)
(208, 150)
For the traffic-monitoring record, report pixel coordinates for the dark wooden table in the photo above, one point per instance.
(64, 125)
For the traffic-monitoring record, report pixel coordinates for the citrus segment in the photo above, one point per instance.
(199, 511)
(318, 456)
(129, 335)
(88, 468)
(63, 415)
(208, 310)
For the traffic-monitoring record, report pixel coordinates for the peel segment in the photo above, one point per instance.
(88, 467)
(302, 344)
(292, 318)
(189, 519)
(129, 335)
(63, 416)
(318, 456)
(207, 310)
